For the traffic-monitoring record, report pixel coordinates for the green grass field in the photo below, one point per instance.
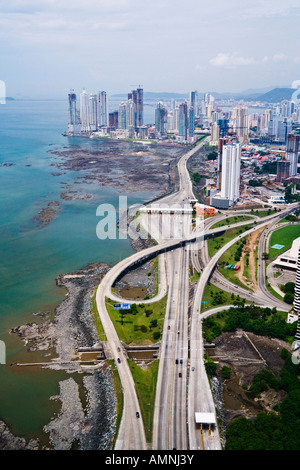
(231, 220)
(145, 383)
(214, 297)
(138, 328)
(284, 236)
(214, 244)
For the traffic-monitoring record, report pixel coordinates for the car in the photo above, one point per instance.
(119, 360)
(137, 414)
(169, 327)
(176, 362)
(180, 374)
(180, 361)
(193, 368)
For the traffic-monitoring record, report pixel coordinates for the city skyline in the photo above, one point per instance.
(222, 47)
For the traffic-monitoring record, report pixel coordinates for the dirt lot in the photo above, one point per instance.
(247, 354)
(251, 242)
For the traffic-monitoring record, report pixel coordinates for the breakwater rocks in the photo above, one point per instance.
(89, 428)
(73, 319)
(87, 417)
(9, 442)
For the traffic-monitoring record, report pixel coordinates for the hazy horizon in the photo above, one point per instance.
(51, 46)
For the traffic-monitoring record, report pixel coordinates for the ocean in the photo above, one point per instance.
(33, 256)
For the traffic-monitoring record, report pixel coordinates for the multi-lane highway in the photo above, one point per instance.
(182, 385)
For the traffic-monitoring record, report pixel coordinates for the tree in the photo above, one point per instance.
(289, 298)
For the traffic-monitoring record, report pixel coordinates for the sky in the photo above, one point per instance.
(50, 46)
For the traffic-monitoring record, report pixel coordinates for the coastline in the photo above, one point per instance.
(77, 425)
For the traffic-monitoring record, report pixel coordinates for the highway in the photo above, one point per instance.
(183, 387)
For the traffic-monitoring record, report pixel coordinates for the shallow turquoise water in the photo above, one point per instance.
(31, 257)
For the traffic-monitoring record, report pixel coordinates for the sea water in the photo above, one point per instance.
(31, 257)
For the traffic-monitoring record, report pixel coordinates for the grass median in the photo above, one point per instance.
(145, 384)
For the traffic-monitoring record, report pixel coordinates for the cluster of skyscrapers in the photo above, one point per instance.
(92, 116)
(130, 115)
(178, 119)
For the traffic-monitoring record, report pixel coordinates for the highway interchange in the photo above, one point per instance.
(182, 386)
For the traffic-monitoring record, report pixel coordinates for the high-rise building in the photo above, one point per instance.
(113, 120)
(161, 115)
(223, 126)
(74, 119)
(138, 98)
(183, 121)
(283, 170)
(140, 107)
(214, 134)
(93, 110)
(296, 304)
(72, 107)
(84, 112)
(231, 166)
(242, 123)
(292, 148)
(191, 121)
(122, 116)
(102, 108)
(130, 114)
(221, 143)
(194, 101)
(176, 119)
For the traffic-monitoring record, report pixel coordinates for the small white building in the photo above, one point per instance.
(289, 258)
(207, 419)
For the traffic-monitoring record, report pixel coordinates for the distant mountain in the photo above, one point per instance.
(152, 95)
(276, 95)
(268, 95)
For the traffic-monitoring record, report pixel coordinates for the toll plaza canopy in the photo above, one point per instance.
(205, 418)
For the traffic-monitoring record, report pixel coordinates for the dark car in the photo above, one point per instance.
(137, 414)
(119, 360)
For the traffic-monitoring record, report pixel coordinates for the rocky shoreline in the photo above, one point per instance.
(89, 426)
(87, 423)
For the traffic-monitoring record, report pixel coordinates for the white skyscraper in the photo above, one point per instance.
(130, 114)
(231, 166)
(122, 116)
(84, 112)
(93, 110)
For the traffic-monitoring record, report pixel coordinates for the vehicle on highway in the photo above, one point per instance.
(176, 362)
(193, 368)
(119, 360)
(180, 374)
(180, 361)
(137, 414)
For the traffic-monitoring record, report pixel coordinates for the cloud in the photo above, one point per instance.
(230, 60)
(280, 57)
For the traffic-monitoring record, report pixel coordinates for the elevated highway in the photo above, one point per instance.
(190, 391)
